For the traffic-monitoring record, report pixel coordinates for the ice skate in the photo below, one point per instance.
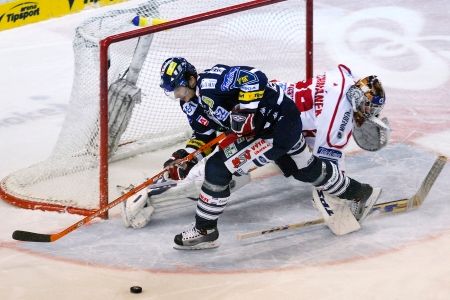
(197, 239)
(363, 204)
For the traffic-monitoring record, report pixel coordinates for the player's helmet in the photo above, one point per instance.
(175, 72)
(367, 96)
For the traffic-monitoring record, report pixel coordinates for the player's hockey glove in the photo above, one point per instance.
(242, 121)
(177, 170)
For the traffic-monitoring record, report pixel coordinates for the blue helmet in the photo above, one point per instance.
(175, 72)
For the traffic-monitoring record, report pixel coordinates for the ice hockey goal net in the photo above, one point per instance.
(274, 36)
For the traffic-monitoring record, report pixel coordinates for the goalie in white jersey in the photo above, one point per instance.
(334, 106)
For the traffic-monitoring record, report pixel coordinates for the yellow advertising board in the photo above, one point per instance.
(21, 12)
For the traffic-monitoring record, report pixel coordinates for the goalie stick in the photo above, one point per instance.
(396, 206)
(28, 236)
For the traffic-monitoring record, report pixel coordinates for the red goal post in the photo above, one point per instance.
(98, 157)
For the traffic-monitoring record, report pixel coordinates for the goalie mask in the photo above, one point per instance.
(367, 97)
(175, 72)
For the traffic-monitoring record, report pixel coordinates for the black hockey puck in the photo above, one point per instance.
(135, 289)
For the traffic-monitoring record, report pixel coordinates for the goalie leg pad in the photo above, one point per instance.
(122, 97)
(136, 211)
(336, 213)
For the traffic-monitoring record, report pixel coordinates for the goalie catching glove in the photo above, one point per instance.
(373, 134)
(177, 170)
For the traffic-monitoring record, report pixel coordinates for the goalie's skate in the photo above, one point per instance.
(362, 206)
(197, 239)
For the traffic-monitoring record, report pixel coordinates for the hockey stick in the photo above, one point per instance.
(39, 237)
(396, 206)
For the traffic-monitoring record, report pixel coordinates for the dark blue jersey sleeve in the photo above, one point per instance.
(204, 130)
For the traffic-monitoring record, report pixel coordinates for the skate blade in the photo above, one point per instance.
(201, 246)
(370, 203)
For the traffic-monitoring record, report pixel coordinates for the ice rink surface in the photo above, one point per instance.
(406, 43)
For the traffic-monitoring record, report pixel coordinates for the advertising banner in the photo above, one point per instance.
(21, 12)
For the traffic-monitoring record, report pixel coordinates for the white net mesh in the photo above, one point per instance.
(270, 38)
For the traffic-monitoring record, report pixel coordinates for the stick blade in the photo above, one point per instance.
(27, 236)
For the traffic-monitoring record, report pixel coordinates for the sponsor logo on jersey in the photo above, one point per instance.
(21, 12)
(229, 79)
(189, 108)
(216, 70)
(195, 143)
(221, 113)
(202, 120)
(263, 160)
(343, 124)
(250, 96)
(241, 158)
(245, 77)
(260, 146)
(230, 150)
(242, 80)
(250, 88)
(208, 101)
(208, 84)
(322, 151)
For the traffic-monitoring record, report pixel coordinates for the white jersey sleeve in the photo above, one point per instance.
(326, 114)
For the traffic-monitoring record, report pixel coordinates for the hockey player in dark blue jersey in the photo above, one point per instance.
(268, 124)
